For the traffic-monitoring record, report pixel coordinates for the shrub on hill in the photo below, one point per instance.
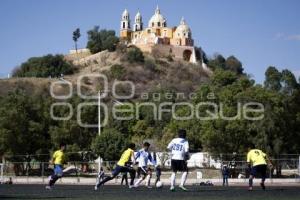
(45, 66)
(117, 71)
(99, 40)
(134, 54)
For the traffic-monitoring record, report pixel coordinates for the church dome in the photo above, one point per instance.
(157, 20)
(183, 30)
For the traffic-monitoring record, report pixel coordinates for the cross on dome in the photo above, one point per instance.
(182, 21)
(157, 10)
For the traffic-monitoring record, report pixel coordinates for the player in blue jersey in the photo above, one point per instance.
(144, 172)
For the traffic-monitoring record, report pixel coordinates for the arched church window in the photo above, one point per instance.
(123, 24)
(158, 24)
(152, 24)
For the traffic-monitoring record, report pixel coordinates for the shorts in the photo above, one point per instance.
(259, 169)
(142, 171)
(58, 170)
(120, 169)
(179, 165)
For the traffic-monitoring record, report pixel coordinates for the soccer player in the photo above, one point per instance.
(144, 172)
(158, 173)
(180, 154)
(58, 159)
(122, 166)
(225, 174)
(257, 162)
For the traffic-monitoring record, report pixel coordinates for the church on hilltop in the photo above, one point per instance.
(157, 36)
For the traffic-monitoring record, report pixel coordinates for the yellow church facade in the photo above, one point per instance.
(176, 40)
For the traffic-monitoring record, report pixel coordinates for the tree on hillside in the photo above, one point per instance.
(223, 77)
(45, 66)
(233, 64)
(76, 36)
(272, 79)
(99, 40)
(288, 82)
(218, 61)
(277, 132)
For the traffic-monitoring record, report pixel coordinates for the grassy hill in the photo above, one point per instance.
(153, 73)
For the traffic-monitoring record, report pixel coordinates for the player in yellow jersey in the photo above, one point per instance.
(58, 159)
(257, 161)
(122, 166)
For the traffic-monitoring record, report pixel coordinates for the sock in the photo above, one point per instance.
(53, 179)
(183, 178)
(173, 178)
(104, 181)
(250, 182)
(132, 176)
(138, 182)
(98, 181)
(148, 180)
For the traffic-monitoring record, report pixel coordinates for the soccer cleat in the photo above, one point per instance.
(96, 187)
(183, 188)
(250, 188)
(263, 186)
(149, 187)
(172, 189)
(48, 187)
(131, 186)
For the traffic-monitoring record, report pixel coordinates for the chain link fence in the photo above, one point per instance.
(200, 167)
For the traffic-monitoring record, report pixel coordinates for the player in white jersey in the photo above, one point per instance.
(142, 157)
(180, 154)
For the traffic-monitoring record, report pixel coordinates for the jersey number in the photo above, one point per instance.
(177, 147)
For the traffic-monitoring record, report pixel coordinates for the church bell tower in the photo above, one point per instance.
(125, 31)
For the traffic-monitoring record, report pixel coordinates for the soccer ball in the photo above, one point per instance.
(159, 184)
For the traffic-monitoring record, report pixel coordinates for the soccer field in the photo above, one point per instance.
(122, 193)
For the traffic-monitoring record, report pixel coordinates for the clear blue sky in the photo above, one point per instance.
(258, 32)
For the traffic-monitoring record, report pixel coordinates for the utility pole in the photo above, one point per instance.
(99, 125)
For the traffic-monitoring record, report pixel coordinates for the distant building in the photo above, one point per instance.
(175, 41)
